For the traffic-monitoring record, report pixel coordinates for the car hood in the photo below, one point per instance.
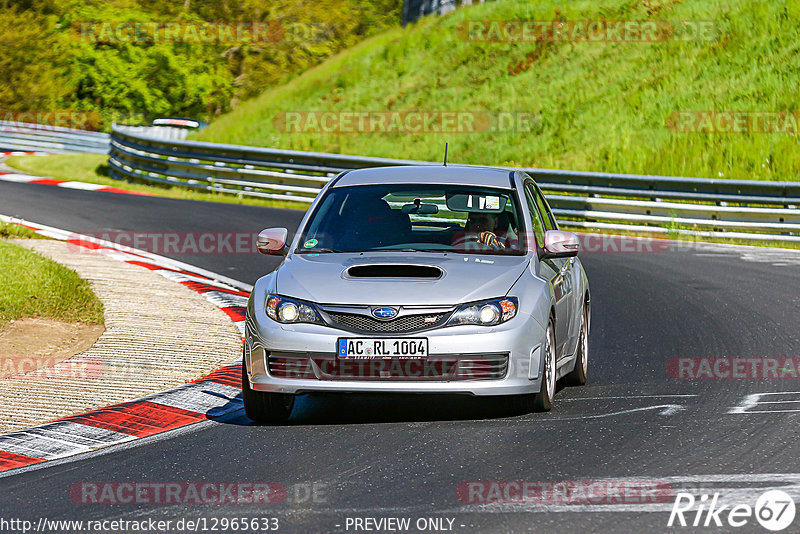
(325, 278)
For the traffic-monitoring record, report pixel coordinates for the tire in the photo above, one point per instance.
(577, 377)
(543, 401)
(265, 408)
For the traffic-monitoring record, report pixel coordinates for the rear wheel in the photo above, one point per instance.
(543, 401)
(265, 408)
(578, 375)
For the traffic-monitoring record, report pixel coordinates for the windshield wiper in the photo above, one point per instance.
(321, 250)
(435, 250)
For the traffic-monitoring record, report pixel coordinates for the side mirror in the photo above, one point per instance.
(560, 244)
(272, 241)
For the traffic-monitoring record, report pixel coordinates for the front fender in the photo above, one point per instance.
(258, 297)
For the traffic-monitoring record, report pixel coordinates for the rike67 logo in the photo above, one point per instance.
(774, 510)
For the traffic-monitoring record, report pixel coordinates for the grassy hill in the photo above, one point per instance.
(590, 105)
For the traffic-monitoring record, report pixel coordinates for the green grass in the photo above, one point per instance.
(13, 231)
(597, 106)
(34, 286)
(82, 167)
(92, 168)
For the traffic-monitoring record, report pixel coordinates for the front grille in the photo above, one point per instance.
(402, 325)
(449, 367)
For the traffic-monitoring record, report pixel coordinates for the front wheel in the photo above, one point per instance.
(265, 408)
(543, 401)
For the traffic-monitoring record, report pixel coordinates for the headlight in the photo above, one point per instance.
(286, 310)
(487, 313)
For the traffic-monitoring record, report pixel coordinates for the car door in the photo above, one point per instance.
(570, 282)
(553, 269)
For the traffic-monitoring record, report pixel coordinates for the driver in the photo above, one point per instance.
(485, 225)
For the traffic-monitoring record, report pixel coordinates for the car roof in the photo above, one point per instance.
(428, 174)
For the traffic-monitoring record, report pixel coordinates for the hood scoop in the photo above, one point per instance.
(385, 270)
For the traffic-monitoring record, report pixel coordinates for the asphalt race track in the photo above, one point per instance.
(346, 458)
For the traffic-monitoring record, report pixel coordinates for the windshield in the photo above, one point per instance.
(419, 218)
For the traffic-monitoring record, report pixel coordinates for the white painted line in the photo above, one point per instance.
(183, 277)
(225, 300)
(23, 442)
(753, 400)
(21, 178)
(626, 398)
(666, 409)
(59, 439)
(82, 185)
(240, 326)
(210, 398)
(75, 433)
(748, 402)
(117, 255)
(770, 411)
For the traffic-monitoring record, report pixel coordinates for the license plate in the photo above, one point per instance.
(369, 348)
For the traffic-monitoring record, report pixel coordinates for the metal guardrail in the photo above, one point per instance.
(159, 132)
(741, 209)
(17, 136)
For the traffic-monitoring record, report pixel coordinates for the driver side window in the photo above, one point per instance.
(536, 217)
(544, 209)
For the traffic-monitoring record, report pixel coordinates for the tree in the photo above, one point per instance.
(31, 53)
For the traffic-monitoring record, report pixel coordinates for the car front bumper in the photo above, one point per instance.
(519, 339)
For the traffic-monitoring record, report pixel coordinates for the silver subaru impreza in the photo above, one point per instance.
(419, 279)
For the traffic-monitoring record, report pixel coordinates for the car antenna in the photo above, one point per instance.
(445, 154)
